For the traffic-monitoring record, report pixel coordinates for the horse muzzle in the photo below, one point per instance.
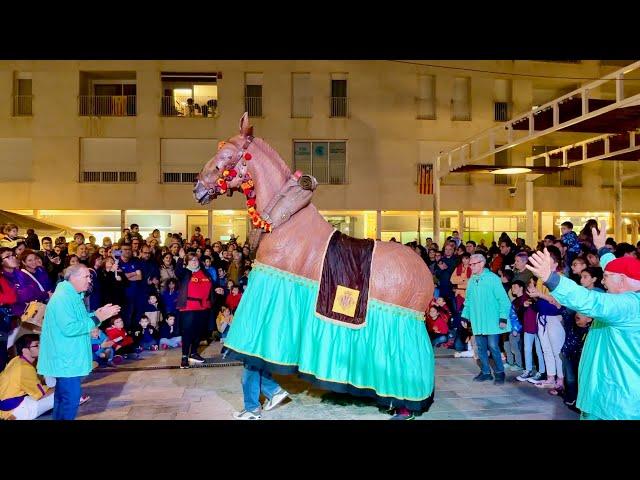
(201, 193)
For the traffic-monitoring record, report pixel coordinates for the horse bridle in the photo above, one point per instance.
(242, 155)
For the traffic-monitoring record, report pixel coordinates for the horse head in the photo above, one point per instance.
(228, 169)
(247, 164)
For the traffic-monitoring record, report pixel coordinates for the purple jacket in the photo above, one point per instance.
(43, 277)
(26, 289)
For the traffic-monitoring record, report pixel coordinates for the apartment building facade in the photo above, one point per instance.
(98, 144)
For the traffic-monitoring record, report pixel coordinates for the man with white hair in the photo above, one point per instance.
(65, 342)
(609, 370)
(487, 309)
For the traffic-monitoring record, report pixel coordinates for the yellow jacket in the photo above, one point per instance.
(19, 379)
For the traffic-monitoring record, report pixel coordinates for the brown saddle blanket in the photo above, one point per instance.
(344, 284)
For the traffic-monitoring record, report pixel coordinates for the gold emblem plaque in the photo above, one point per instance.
(346, 301)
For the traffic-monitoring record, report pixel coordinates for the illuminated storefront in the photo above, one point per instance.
(404, 226)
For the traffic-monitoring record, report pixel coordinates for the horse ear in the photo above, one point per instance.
(245, 128)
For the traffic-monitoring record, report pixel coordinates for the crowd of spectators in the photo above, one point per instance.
(182, 293)
(173, 293)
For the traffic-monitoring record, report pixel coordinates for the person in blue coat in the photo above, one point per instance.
(65, 342)
(609, 369)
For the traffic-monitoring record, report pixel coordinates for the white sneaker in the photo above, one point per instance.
(524, 376)
(247, 415)
(537, 378)
(274, 401)
(467, 354)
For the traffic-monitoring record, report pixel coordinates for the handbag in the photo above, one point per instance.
(33, 315)
(34, 312)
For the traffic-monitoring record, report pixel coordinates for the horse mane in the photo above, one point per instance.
(268, 151)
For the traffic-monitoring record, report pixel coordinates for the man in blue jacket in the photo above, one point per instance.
(487, 308)
(609, 370)
(65, 342)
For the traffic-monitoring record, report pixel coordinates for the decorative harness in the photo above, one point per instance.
(293, 196)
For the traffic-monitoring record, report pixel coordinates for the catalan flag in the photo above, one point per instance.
(425, 179)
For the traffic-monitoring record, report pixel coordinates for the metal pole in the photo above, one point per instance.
(210, 223)
(529, 207)
(617, 206)
(436, 202)
(123, 221)
(378, 224)
(540, 232)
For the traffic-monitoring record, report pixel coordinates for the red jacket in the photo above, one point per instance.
(440, 323)
(113, 333)
(232, 301)
(199, 289)
(8, 294)
(199, 239)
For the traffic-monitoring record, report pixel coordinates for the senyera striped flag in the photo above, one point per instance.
(425, 178)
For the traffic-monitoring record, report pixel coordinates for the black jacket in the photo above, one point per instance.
(112, 290)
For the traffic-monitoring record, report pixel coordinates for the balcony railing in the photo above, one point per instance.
(203, 107)
(108, 177)
(500, 111)
(179, 177)
(339, 106)
(253, 106)
(22, 105)
(107, 105)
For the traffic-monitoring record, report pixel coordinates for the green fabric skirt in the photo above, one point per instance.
(275, 327)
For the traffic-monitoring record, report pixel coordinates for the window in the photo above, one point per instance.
(460, 103)
(301, 95)
(110, 94)
(325, 160)
(181, 159)
(16, 158)
(487, 228)
(501, 100)
(108, 160)
(189, 94)
(339, 101)
(426, 100)
(22, 95)
(253, 94)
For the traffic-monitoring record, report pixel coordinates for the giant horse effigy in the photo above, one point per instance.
(344, 313)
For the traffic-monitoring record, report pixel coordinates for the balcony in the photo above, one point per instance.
(253, 106)
(203, 107)
(339, 107)
(107, 105)
(501, 111)
(22, 105)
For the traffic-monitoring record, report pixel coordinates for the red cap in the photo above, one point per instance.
(628, 266)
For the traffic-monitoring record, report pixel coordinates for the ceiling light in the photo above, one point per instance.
(511, 171)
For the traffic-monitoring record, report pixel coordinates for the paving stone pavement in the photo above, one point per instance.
(215, 393)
